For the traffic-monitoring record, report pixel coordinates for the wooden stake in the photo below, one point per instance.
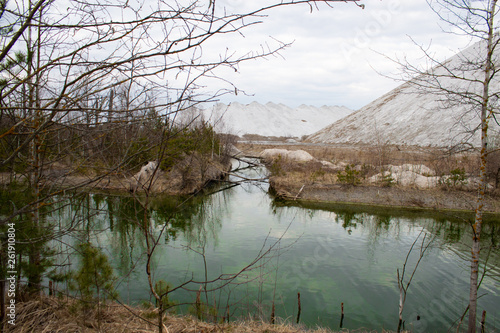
(341, 315)
(198, 304)
(483, 320)
(300, 308)
(51, 288)
(272, 315)
(216, 312)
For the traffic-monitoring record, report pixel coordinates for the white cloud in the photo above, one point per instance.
(335, 57)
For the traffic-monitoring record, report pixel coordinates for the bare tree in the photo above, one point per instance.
(89, 50)
(468, 83)
(404, 285)
(92, 88)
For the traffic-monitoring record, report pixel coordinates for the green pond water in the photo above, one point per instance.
(331, 254)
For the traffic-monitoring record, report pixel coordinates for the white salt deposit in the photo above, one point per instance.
(411, 175)
(143, 176)
(409, 116)
(272, 119)
(295, 155)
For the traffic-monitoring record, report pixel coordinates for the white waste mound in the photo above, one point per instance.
(295, 155)
(415, 116)
(144, 176)
(422, 177)
(272, 119)
(420, 169)
(419, 176)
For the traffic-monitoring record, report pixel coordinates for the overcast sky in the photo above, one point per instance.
(336, 56)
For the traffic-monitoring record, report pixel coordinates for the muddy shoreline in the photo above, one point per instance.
(395, 196)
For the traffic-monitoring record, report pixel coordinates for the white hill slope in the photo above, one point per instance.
(272, 119)
(409, 115)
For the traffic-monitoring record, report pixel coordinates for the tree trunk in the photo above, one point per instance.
(476, 235)
(476, 228)
(160, 316)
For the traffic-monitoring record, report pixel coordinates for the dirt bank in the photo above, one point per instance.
(382, 196)
(189, 176)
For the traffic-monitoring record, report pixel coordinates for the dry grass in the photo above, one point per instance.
(437, 159)
(369, 161)
(49, 314)
(441, 161)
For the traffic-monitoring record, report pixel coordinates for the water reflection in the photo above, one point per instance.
(367, 247)
(331, 254)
